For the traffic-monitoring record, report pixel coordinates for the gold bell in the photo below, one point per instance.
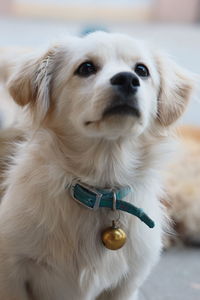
(113, 237)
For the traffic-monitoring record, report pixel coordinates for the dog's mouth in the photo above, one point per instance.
(122, 109)
(123, 106)
(119, 107)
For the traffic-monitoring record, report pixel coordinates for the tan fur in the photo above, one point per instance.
(183, 186)
(50, 246)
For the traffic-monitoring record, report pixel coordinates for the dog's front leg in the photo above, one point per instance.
(12, 283)
(111, 295)
(126, 290)
(11, 293)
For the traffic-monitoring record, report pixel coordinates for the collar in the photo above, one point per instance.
(93, 199)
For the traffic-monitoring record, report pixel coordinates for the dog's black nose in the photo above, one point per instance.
(126, 82)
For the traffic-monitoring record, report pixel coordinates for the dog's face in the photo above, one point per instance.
(112, 86)
(104, 85)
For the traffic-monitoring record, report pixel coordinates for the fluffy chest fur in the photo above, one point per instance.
(63, 239)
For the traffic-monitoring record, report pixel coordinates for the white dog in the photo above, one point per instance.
(98, 110)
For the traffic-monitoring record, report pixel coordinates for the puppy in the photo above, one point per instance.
(97, 113)
(183, 187)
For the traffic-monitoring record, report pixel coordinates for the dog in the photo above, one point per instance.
(182, 188)
(97, 116)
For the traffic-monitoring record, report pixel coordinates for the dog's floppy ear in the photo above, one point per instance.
(176, 86)
(31, 82)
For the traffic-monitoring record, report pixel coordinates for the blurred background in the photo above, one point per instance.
(173, 25)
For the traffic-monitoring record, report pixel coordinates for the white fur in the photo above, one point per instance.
(50, 246)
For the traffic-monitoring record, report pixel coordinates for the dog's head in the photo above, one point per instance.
(104, 85)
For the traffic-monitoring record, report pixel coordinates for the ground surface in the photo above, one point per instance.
(176, 277)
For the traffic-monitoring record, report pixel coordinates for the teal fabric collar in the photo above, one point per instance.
(95, 198)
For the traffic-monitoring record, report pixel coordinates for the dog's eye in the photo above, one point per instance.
(86, 69)
(141, 70)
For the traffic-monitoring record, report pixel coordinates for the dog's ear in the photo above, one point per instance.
(31, 82)
(176, 86)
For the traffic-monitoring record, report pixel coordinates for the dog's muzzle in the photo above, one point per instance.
(124, 102)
